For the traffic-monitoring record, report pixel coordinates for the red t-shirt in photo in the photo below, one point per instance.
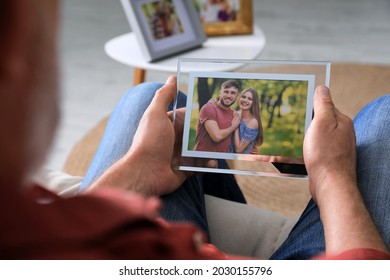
(224, 118)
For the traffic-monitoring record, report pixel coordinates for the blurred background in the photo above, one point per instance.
(352, 31)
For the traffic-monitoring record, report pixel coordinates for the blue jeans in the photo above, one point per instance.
(306, 240)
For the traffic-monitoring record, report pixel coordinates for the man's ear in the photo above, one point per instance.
(14, 37)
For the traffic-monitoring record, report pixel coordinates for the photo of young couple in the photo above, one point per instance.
(162, 18)
(248, 116)
(222, 129)
(212, 11)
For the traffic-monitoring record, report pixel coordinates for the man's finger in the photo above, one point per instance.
(165, 94)
(180, 113)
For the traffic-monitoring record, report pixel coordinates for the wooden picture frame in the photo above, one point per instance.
(241, 23)
(154, 39)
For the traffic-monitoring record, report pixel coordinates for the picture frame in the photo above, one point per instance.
(217, 22)
(164, 27)
(284, 91)
(303, 84)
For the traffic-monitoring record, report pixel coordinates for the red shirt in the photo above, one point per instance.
(224, 120)
(102, 225)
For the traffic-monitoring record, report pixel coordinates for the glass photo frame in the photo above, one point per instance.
(164, 27)
(250, 114)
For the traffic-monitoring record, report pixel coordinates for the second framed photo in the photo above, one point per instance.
(164, 27)
(225, 17)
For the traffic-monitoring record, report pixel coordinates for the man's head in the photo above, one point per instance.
(228, 93)
(28, 86)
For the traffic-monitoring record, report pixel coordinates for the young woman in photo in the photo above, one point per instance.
(249, 135)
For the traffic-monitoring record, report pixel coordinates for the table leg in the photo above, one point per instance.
(139, 76)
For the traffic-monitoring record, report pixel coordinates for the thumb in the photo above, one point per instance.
(323, 103)
(165, 95)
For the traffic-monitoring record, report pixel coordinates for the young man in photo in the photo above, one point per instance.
(218, 121)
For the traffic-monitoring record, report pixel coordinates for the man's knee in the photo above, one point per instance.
(371, 123)
(375, 110)
(380, 105)
(147, 89)
(144, 93)
(140, 95)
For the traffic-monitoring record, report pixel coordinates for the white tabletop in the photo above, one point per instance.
(126, 50)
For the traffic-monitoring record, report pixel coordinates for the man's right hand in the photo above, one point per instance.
(218, 134)
(330, 159)
(236, 120)
(329, 146)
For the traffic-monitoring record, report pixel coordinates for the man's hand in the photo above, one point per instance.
(148, 167)
(330, 159)
(329, 146)
(152, 151)
(218, 134)
(236, 119)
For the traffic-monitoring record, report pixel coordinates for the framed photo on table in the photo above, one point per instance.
(225, 17)
(164, 27)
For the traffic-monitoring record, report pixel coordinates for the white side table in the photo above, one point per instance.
(126, 50)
